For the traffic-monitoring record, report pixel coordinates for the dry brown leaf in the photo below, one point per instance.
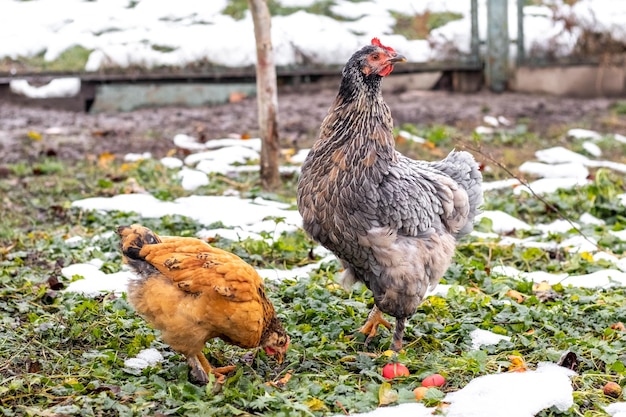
(105, 159)
(542, 286)
(281, 382)
(387, 395)
(516, 295)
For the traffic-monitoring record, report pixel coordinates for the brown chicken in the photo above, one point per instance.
(392, 221)
(193, 292)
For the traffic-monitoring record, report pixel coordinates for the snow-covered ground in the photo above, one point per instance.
(160, 32)
(549, 385)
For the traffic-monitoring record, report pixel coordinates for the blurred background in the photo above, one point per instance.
(126, 54)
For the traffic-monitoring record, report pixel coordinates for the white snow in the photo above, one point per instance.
(482, 337)
(487, 396)
(145, 358)
(190, 179)
(584, 134)
(158, 32)
(592, 149)
(560, 170)
(58, 87)
(502, 222)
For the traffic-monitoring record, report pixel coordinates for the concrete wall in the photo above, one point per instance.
(571, 81)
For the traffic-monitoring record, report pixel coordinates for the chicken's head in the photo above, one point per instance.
(275, 340)
(378, 59)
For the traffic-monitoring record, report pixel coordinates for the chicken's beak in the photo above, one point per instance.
(280, 356)
(397, 58)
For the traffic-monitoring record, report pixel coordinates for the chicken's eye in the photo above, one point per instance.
(375, 57)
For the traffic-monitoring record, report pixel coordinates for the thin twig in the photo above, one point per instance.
(525, 183)
(342, 407)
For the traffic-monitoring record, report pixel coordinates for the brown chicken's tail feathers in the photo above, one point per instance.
(465, 171)
(134, 237)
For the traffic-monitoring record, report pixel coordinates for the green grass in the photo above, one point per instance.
(63, 353)
(72, 59)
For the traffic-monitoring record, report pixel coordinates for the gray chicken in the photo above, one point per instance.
(392, 221)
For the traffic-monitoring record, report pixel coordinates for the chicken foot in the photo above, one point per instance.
(201, 368)
(374, 319)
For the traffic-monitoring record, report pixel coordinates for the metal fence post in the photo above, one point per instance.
(521, 51)
(475, 39)
(496, 66)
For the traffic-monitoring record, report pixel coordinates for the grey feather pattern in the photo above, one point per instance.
(392, 221)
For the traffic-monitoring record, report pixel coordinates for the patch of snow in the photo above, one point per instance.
(188, 142)
(621, 235)
(74, 241)
(501, 184)
(592, 149)
(482, 337)
(221, 160)
(491, 121)
(587, 218)
(502, 222)
(253, 143)
(191, 179)
(411, 137)
(562, 170)
(56, 88)
(557, 226)
(488, 395)
(615, 166)
(145, 358)
(484, 130)
(133, 157)
(616, 409)
(550, 185)
(171, 162)
(236, 235)
(605, 278)
(578, 244)
(95, 282)
(583, 134)
(231, 211)
(300, 156)
(559, 155)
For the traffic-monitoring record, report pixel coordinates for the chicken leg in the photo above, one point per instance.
(201, 368)
(374, 319)
(398, 334)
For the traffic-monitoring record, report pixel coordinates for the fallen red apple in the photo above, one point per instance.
(392, 370)
(434, 380)
(612, 389)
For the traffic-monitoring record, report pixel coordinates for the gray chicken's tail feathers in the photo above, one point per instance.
(465, 171)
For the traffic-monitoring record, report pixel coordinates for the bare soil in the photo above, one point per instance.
(72, 135)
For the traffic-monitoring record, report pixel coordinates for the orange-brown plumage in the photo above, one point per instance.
(193, 292)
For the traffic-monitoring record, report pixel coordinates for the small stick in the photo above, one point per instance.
(342, 407)
(537, 196)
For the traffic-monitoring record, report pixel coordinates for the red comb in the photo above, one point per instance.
(376, 41)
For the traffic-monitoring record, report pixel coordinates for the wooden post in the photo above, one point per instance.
(267, 96)
(497, 62)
